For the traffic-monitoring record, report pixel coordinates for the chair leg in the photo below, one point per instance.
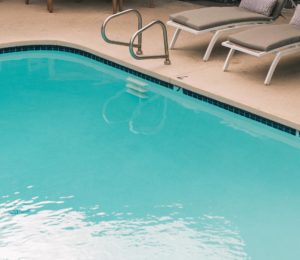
(229, 56)
(293, 3)
(115, 6)
(174, 39)
(151, 3)
(120, 5)
(212, 45)
(50, 5)
(27, 2)
(272, 68)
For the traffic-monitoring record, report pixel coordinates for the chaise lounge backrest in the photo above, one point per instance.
(278, 8)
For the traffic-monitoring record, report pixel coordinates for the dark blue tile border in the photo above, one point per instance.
(203, 98)
(241, 112)
(88, 55)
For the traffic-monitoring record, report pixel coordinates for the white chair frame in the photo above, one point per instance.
(279, 53)
(217, 33)
(293, 3)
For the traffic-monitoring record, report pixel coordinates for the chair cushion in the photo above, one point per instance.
(210, 17)
(296, 17)
(267, 37)
(264, 7)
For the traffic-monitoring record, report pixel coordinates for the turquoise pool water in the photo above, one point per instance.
(90, 168)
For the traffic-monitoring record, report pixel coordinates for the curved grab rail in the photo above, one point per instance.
(137, 56)
(140, 24)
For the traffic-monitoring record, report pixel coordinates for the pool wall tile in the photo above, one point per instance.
(242, 112)
(85, 54)
(189, 93)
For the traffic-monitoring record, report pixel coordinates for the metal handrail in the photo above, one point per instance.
(137, 56)
(140, 25)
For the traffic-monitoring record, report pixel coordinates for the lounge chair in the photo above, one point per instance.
(218, 20)
(281, 40)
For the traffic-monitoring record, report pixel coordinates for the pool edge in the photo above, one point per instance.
(227, 104)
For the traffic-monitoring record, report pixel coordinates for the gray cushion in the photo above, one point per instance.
(296, 17)
(264, 7)
(267, 37)
(209, 17)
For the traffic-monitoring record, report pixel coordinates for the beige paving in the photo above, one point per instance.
(77, 23)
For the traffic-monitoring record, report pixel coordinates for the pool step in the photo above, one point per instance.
(137, 82)
(137, 87)
(136, 93)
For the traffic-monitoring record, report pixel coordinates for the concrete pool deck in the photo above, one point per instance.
(77, 24)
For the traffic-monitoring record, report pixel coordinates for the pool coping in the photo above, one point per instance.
(219, 101)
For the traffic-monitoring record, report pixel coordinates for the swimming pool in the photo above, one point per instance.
(96, 163)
